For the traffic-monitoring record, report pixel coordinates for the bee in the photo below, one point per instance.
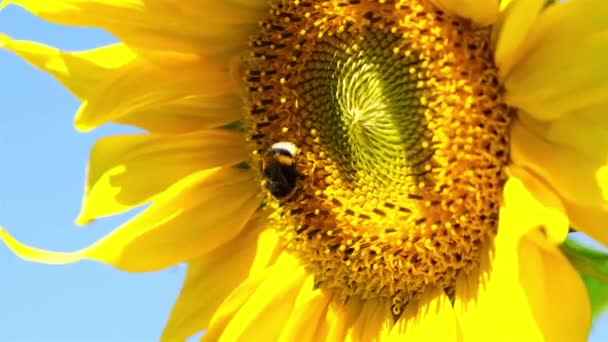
(279, 169)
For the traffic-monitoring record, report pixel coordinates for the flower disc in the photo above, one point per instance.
(395, 109)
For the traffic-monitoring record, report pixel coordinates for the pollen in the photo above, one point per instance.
(396, 111)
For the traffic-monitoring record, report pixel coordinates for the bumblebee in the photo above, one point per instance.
(279, 169)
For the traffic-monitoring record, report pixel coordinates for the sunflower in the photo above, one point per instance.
(345, 169)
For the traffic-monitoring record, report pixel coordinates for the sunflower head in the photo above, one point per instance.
(406, 170)
(396, 110)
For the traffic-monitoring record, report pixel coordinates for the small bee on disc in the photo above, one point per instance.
(279, 169)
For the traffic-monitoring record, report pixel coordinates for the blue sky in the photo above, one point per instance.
(41, 181)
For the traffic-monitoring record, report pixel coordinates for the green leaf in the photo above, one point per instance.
(598, 294)
(592, 264)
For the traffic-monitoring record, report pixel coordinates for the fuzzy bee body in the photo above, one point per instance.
(279, 169)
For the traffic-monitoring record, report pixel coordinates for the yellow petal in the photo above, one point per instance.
(482, 12)
(153, 25)
(431, 318)
(92, 66)
(119, 174)
(372, 319)
(269, 250)
(576, 167)
(471, 289)
(530, 283)
(178, 115)
(562, 63)
(504, 4)
(513, 30)
(342, 317)
(553, 285)
(589, 220)
(182, 97)
(210, 279)
(179, 94)
(259, 308)
(237, 298)
(194, 216)
(305, 323)
(585, 131)
(536, 203)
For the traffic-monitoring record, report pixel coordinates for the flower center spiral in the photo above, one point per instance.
(395, 108)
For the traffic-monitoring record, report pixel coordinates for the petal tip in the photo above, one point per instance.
(83, 122)
(82, 220)
(5, 41)
(6, 237)
(80, 123)
(33, 254)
